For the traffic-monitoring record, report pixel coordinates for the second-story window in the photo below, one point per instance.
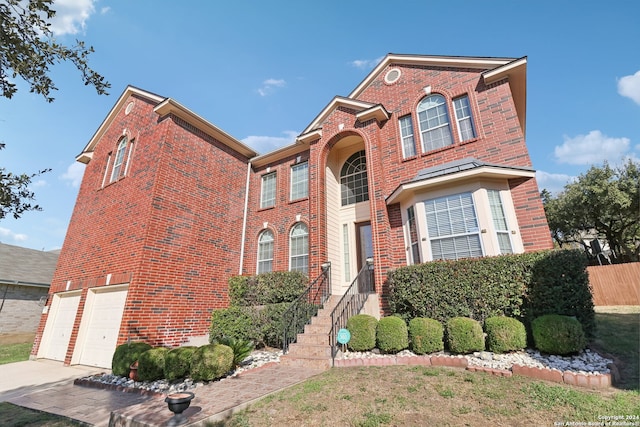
(433, 118)
(299, 181)
(118, 164)
(268, 194)
(463, 118)
(406, 133)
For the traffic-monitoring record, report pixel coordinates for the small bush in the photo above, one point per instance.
(210, 362)
(464, 335)
(426, 335)
(177, 362)
(235, 322)
(392, 335)
(151, 364)
(241, 349)
(505, 334)
(556, 334)
(125, 355)
(362, 328)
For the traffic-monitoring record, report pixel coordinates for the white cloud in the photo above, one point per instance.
(552, 182)
(366, 63)
(266, 144)
(16, 237)
(590, 149)
(629, 86)
(74, 174)
(105, 10)
(71, 16)
(269, 85)
(38, 184)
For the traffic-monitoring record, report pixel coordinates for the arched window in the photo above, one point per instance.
(435, 130)
(119, 159)
(354, 186)
(265, 252)
(299, 248)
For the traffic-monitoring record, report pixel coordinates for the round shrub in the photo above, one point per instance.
(151, 364)
(464, 335)
(363, 332)
(210, 362)
(125, 355)
(177, 362)
(505, 334)
(392, 335)
(426, 335)
(556, 334)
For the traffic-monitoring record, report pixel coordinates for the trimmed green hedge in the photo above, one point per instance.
(555, 334)
(210, 362)
(177, 362)
(125, 355)
(464, 335)
(522, 286)
(505, 334)
(392, 335)
(426, 335)
(267, 288)
(151, 364)
(362, 328)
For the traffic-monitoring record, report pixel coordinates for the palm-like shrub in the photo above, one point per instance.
(392, 335)
(125, 355)
(241, 348)
(426, 335)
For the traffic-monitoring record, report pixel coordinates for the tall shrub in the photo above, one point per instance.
(267, 288)
(235, 322)
(560, 285)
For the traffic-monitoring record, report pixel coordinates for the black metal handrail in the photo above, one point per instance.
(351, 303)
(305, 307)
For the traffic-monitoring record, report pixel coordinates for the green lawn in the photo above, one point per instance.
(10, 353)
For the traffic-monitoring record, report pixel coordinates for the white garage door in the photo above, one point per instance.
(101, 325)
(62, 314)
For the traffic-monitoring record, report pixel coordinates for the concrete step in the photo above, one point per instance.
(313, 339)
(309, 350)
(322, 363)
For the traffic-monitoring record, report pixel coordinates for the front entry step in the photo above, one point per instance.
(312, 348)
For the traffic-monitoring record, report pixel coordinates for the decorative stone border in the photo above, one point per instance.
(567, 377)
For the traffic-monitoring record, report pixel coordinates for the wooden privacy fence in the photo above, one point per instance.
(617, 284)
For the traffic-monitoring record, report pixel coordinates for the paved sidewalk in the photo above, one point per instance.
(101, 407)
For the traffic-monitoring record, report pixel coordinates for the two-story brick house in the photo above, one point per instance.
(425, 159)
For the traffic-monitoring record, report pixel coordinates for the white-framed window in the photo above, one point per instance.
(265, 252)
(354, 186)
(500, 222)
(414, 240)
(299, 248)
(119, 160)
(268, 193)
(435, 130)
(406, 134)
(299, 181)
(464, 119)
(452, 226)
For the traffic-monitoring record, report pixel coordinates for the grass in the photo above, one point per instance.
(10, 353)
(17, 416)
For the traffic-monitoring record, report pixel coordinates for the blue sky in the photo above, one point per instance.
(263, 70)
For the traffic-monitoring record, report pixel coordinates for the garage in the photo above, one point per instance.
(62, 315)
(100, 326)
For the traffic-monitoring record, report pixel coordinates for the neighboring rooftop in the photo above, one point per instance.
(25, 266)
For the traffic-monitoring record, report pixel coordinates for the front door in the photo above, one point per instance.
(364, 243)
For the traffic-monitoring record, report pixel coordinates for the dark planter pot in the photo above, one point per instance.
(178, 403)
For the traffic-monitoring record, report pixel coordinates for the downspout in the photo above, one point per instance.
(244, 217)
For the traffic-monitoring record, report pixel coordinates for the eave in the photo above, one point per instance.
(170, 106)
(279, 154)
(366, 110)
(516, 73)
(455, 174)
(87, 153)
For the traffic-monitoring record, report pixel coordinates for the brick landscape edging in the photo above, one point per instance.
(546, 374)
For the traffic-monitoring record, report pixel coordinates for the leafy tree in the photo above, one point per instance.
(15, 195)
(604, 202)
(28, 48)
